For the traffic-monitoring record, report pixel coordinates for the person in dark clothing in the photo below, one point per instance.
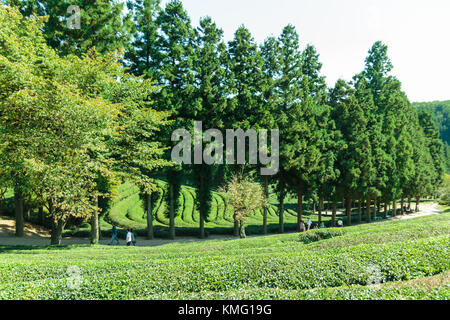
(114, 235)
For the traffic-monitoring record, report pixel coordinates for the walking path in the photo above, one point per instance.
(39, 236)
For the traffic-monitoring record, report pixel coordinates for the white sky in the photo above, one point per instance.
(416, 31)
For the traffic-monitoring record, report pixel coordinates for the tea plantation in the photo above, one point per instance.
(127, 211)
(403, 259)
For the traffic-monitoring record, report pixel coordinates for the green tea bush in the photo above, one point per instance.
(320, 234)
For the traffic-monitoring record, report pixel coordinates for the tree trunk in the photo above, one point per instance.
(314, 206)
(172, 214)
(281, 216)
(394, 207)
(333, 213)
(349, 211)
(368, 217)
(27, 213)
(2, 204)
(385, 209)
(150, 234)
(236, 227)
(359, 211)
(94, 228)
(266, 192)
(375, 207)
(41, 215)
(299, 206)
(402, 205)
(57, 229)
(242, 229)
(320, 210)
(417, 203)
(409, 203)
(18, 199)
(94, 225)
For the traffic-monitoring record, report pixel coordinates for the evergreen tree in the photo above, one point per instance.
(434, 145)
(103, 24)
(246, 81)
(139, 58)
(173, 68)
(354, 160)
(209, 102)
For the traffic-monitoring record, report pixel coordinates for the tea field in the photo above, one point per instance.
(402, 259)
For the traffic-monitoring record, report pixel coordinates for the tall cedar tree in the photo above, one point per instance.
(209, 104)
(174, 70)
(246, 106)
(139, 58)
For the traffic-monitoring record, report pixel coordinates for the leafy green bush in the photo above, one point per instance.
(445, 191)
(320, 234)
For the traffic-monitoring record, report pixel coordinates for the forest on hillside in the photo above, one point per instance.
(440, 111)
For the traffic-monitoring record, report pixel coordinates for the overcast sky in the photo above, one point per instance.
(416, 31)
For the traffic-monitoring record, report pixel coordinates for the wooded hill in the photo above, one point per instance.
(440, 111)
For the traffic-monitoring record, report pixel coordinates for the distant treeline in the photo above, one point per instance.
(440, 111)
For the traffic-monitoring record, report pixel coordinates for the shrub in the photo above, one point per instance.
(320, 234)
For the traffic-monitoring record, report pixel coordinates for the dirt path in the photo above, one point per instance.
(39, 236)
(426, 209)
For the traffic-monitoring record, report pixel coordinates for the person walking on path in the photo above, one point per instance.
(302, 226)
(308, 224)
(133, 237)
(129, 237)
(114, 235)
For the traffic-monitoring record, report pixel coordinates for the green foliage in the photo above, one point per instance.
(444, 191)
(52, 125)
(440, 111)
(102, 24)
(142, 52)
(320, 234)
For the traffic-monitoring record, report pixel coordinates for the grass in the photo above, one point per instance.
(403, 259)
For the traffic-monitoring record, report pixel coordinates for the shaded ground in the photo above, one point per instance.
(39, 236)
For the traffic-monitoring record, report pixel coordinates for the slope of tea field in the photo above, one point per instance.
(403, 259)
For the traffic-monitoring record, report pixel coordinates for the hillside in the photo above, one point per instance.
(127, 211)
(404, 259)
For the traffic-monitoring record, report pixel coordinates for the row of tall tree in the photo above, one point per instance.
(361, 140)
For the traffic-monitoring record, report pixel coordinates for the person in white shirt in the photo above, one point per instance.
(129, 237)
(340, 223)
(308, 224)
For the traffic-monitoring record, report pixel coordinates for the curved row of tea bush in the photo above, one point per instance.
(128, 212)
